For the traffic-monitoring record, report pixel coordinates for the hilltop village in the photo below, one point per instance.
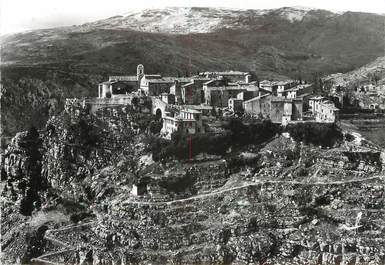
(216, 168)
(187, 104)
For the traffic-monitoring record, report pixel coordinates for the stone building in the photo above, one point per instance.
(268, 85)
(327, 112)
(285, 110)
(176, 90)
(231, 76)
(282, 86)
(297, 91)
(113, 89)
(192, 93)
(188, 121)
(154, 85)
(277, 109)
(259, 106)
(121, 85)
(277, 88)
(323, 110)
(252, 86)
(314, 104)
(218, 92)
(205, 109)
(235, 104)
(168, 98)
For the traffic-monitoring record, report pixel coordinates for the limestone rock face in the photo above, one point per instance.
(280, 203)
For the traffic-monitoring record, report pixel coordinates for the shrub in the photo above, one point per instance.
(156, 126)
(349, 137)
(323, 134)
(254, 133)
(182, 146)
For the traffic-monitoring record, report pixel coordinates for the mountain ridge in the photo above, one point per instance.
(291, 13)
(185, 20)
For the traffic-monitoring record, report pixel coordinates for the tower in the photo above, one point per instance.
(139, 72)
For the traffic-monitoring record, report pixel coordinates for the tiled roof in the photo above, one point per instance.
(259, 97)
(123, 78)
(191, 110)
(225, 73)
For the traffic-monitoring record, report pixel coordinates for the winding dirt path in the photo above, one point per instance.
(67, 248)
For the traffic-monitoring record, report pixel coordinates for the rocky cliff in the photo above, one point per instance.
(279, 202)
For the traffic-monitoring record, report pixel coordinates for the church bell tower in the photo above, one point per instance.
(139, 72)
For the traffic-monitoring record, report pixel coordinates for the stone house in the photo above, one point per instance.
(259, 106)
(252, 86)
(154, 85)
(113, 89)
(277, 109)
(188, 121)
(231, 76)
(268, 85)
(327, 112)
(314, 104)
(204, 109)
(176, 90)
(218, 92)
(130, 80)
(282, 86)
(168, 98)
(323, 110)
(122, 84)
(139, 189)
(192, 93)
(285, 110)
(297, 91)
(235, 104)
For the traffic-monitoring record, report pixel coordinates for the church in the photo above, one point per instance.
(118, 86)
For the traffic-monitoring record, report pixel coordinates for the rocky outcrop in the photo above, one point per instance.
(282, 202)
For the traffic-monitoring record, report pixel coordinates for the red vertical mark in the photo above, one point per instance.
(190, 148)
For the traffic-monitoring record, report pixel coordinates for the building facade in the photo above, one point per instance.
(218, 92)
(323, 110)
(259, 106)
(188, 121)
(277, 109)
(113, 89)
(192, 93)
(235, 104)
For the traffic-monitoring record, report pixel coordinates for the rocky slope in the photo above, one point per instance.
(279, 202)
(184, 20)
(371, 73)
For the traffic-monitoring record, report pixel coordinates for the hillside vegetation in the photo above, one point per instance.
(280, 200)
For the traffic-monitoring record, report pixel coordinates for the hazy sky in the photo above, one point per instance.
(21, 15)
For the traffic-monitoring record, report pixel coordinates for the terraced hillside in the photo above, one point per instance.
(282, 202)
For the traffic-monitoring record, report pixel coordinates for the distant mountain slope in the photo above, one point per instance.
(184, 20)
(287, 42)
(371, 72)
